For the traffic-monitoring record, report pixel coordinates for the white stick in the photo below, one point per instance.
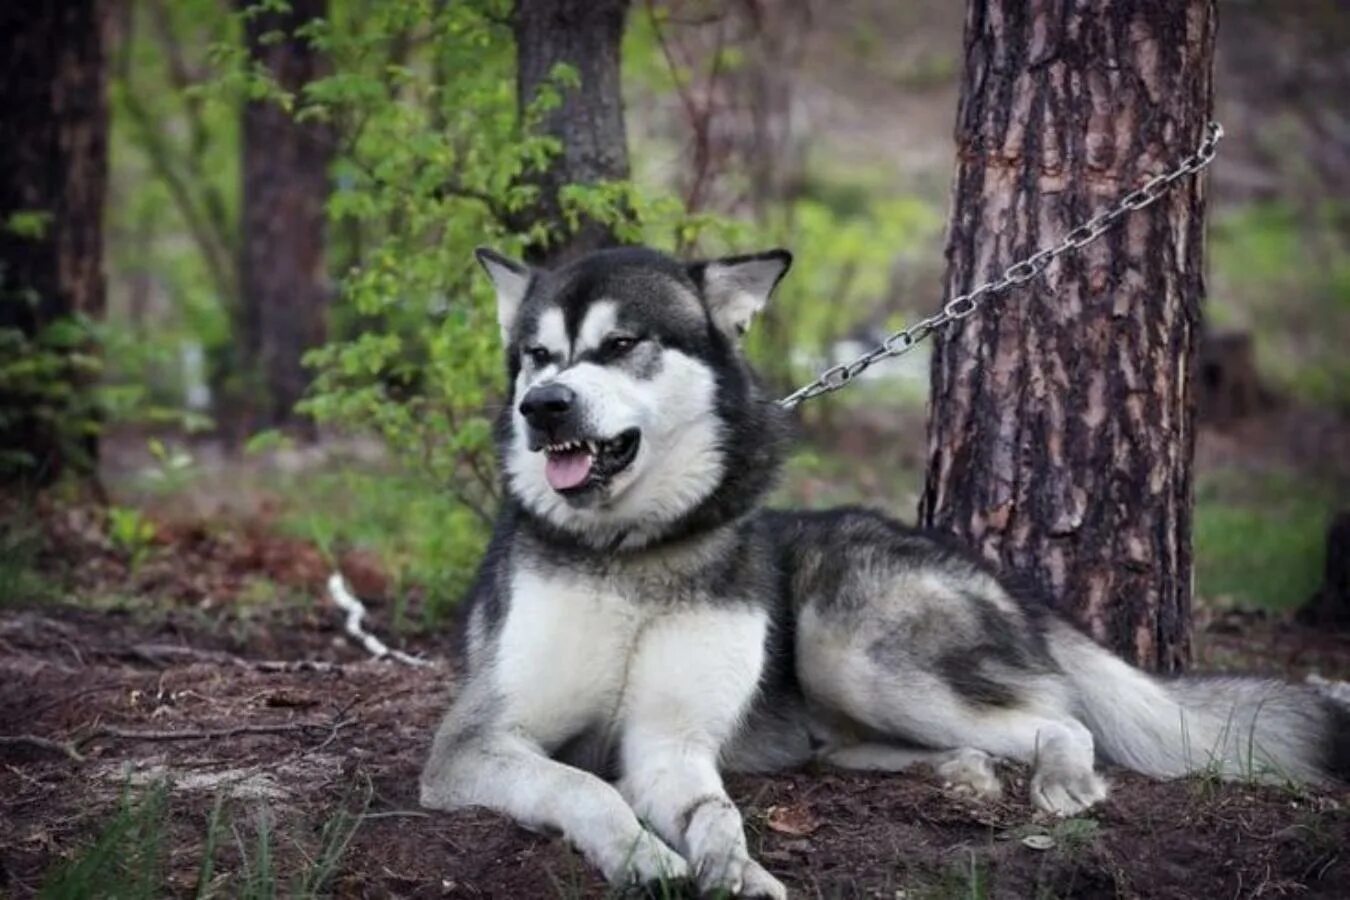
(356, 611)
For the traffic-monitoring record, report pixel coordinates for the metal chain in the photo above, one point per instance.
(904, 340)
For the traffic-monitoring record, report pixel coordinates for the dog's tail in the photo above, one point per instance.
(1240, 728)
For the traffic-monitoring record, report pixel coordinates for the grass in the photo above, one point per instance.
(969, 878)
(1260, 538)
(127, 858)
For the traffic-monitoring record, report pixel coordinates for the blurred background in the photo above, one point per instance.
(299, 356)
(297, 362)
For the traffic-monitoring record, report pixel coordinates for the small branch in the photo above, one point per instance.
(356, 612)
(41, 743)
(699, 115)
(167, 654)
(196, 734)
(71, 749)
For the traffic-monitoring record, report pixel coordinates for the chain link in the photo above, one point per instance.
(901, 342)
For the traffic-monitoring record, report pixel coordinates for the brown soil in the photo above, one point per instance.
(295, 725)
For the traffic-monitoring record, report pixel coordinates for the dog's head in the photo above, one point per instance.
(632, 414)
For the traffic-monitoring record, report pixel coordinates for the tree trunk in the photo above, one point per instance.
(588, 123)
(283, 273)
(53, 174)
(1061, 434)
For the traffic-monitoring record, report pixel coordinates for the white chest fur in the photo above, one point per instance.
(564, 651)
(575, 653)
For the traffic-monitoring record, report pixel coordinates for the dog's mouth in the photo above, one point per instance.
(574, 467)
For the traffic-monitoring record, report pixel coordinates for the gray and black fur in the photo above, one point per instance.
(687, 629)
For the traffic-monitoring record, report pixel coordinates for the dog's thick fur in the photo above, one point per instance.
(631, 635)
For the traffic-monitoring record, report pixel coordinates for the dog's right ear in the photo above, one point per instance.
(511, 280)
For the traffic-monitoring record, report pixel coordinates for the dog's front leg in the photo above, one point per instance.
(690, 685)
(504, 772)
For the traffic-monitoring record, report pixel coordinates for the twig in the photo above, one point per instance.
(71, 749)
(348, 602)
(283, 665)
(194, 734)
(162, 654)
(41, 743)
(700, 116)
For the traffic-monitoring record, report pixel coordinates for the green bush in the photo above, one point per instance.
(47, 389)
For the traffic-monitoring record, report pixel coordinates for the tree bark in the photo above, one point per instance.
(1061, 432)
(283, 274)
(53, 164)
(586, 35)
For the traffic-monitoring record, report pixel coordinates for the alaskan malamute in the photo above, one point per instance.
(639, 624)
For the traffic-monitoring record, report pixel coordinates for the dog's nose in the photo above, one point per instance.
(547, 406)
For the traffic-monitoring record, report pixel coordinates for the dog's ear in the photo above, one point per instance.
(511, 280)
(737, 287)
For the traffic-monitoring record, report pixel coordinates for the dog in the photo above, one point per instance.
(640, 623)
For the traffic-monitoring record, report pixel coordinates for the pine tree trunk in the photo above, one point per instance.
(1062, 427)
(53, 167)
(283, 272)
(586, 35)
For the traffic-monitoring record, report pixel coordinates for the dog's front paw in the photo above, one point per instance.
(1066, 790)
(737, 875)
(970, 772)
(643, 860)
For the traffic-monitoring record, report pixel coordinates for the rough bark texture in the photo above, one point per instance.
(53, 162)
(283, 273)
(1061, 434)
(586, 35)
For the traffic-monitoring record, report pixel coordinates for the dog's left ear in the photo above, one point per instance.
(737, 287)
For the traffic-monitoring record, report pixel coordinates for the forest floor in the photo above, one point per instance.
(200, 737)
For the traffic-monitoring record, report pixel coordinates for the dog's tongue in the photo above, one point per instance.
(567, 470)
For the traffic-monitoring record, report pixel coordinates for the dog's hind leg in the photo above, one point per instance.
(965, 771)
(1060, 749)
(1019, 715)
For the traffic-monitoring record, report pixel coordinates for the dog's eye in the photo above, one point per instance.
(538, 355)
(619, 345)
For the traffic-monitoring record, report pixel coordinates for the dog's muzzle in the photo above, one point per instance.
(576, 462)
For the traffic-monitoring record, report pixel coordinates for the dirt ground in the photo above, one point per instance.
(273, 709)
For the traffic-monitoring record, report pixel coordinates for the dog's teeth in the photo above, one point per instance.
(592, 447)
